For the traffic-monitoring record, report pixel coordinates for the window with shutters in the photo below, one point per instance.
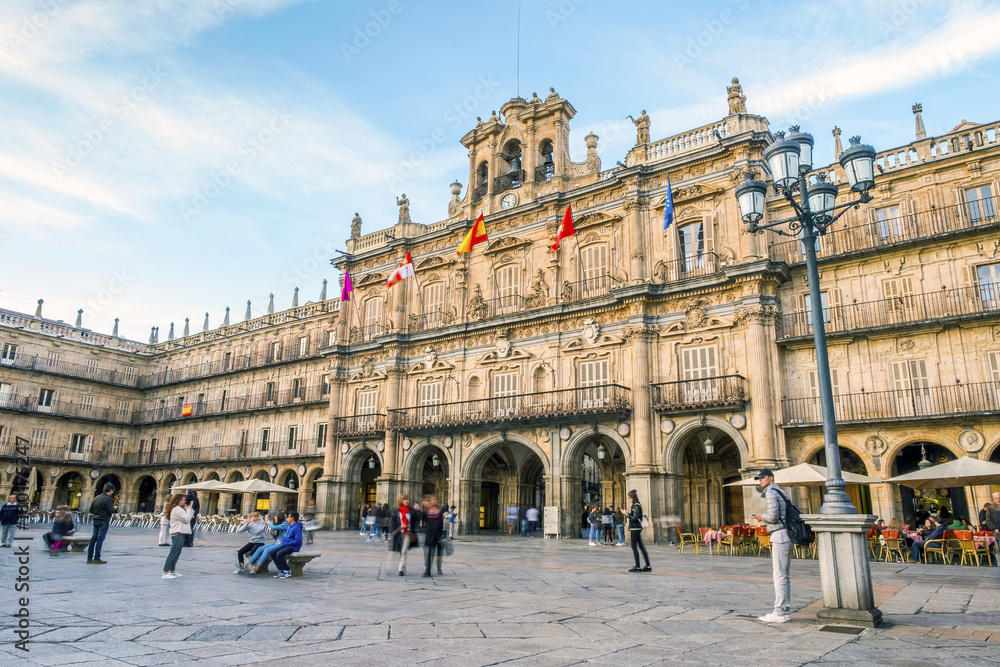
(270, 393)
(504, 389)
(899, 296)
(6, 395)
(8, 354)
(373, 317)
(117, 447)
(195, 441)
(994, 365)
(227, 361)
(45, 399)
(206, 366)
(39, 437)
(123, 411)
(92, 368)
(293, 438)
(331, 338)
(830, 300)
(320, 431)
(691, 243)
(593, 383)
(816, 410)
(186, 372)
(52, 359)
(595, 269)
(367, 406)
(274, 352)
(430, 397)
(86, 405)
(216, 444)
(980, 204)
(911, 388)
(434, 305)
(325, 385)
(77, 443)
(242, 439)
(128, 374)
(698, 367)
(265, 439)
(297, 389)
(988, 282)
(508, 286)
(890, 223)
(303, 346)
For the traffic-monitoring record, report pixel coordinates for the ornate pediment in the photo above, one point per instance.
(435, 262)
(369, 279)
(497, 356)
(437, 366)
(507, 243)
(593, 219)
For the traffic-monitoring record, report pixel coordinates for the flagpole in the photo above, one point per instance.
(583, 273)
(420, 295)
(496, 291)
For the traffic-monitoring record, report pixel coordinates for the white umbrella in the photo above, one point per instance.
(808, 474)
(960, 472)
(258, 486)
(212, 486)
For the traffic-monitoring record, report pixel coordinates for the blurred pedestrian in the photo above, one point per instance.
(194, 506)
(532, 516)
(8, 521)
(403, 529)
(164, 539)
(434, 521)
(180, 527)
(452, 519)
(608, 526)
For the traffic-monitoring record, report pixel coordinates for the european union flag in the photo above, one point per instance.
(668, 207)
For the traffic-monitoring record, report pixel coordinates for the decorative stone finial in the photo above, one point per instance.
(270, 305)
(919, 119)
(79, 318)
(38, 310)
(156, 335)
(322, 292)
(246, 318)
(152, 335)
(187, 327)
(837, 148)
(114, 332)
(295, 298)
(225, 321)
(170, 332)
(204, 327)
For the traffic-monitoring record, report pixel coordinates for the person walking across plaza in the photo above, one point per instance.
(434, 523)
(291, 543)
(781, 545)
(634, 516)
(452, 518)
(608, 525)
(8, 522)
(101, 509)
(593, 519)
(403, 530)
(532, 516)
(195, 507)
(180, 528)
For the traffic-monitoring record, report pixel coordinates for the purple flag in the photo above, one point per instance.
(345, 294)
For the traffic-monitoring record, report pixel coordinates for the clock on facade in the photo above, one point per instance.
(509, 200)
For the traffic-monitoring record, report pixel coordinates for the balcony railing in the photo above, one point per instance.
(358, 425)
(61, 453)
(544, 173)
(504, 305)
(62, 408)
(262, 401)
(241, 362)
(508, 181)
(692, 266)
(893, 231)
(720, 391)
(587, 289)
(949, 401)
(981, 299)
(584, 401)
(432, 320)
(365, 334)
(28, 359)
(479, 192)
(303, 447)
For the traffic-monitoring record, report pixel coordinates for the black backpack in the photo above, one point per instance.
(798, 530)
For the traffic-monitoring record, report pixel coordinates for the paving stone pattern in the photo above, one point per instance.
(501, 600)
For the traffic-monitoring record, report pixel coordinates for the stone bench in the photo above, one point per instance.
(78, 544)
(296, 561)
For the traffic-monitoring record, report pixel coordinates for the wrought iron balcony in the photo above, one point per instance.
(724, 391)
(427, 321)
(504, 305)
(966, 301)
(8, 450)
(36, 359)
(262, 401)
(606, 399)
(365, 334)
(301, 447)
(893, 231)
(64, 408)
(956, 400)
(479, 192)
(508, 181)
(587, 289)
(544, 173)
(689, 266)
(358, 425)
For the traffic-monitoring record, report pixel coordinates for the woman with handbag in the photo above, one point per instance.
(636, 522)
(434, 521)
(404, 535)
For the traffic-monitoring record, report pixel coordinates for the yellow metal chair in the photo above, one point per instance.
(939, 547)
(689, 538)
(763, 541)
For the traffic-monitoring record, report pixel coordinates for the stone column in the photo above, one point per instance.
(325, 485)
(639, 335)
(844, 571)
(248, 503)
(46, 497)
(225, 501)
(759, 321)
(636, 207)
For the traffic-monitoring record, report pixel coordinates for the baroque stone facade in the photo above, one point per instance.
(670, 361)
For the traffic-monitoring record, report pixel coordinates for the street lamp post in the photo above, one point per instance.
(844, 570)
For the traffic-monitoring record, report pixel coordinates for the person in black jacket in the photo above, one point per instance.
(434, 521)
(635, 530)
(101, 509)
(8, 519)
(195, 506)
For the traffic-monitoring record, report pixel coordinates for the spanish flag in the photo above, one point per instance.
(475, 236)
(565, 228)
(187, 409)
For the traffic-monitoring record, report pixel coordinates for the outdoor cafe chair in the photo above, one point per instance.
(967, 546)
(892, 544)
(689, 538)
(939, 547)
(710, 543)
(728, 539)
(763, 540)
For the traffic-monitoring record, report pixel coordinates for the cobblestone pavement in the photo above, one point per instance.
(501, 601)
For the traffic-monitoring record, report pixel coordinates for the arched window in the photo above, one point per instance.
(514, 176)
(482, 181)
(547, 169)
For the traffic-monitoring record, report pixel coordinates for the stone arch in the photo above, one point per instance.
(895, 449)
(144, 489)
(350, 465)
(578, 442)
(189, 477)
(862, 454)
(474, 463)
(234, 476)
(990, 452)
(411, 470)
(673, 449)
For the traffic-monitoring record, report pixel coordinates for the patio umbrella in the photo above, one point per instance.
(32, 484)
(960, 472)
(808, 474)
(258, 486)
(212, 486)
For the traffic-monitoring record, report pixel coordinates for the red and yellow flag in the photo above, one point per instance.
(187, 409)
(475, 236)
(565, 228)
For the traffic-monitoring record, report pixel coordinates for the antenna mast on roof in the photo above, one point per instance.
(518, 77)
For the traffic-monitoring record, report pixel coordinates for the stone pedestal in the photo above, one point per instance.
(843, 569)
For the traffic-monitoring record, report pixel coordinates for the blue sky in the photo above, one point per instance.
(164, 159)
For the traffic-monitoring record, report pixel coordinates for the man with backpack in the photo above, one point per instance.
(775, 517)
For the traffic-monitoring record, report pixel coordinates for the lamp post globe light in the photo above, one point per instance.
(844, 570)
